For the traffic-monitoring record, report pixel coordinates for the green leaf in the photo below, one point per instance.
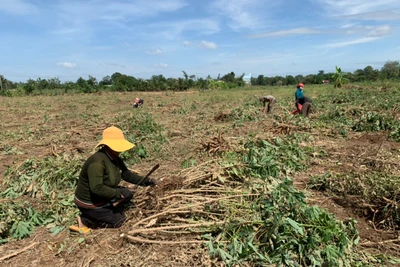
(56, 230)
(296, 226)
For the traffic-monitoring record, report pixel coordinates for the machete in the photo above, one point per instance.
(144, 178)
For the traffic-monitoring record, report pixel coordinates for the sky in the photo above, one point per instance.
(69, 39)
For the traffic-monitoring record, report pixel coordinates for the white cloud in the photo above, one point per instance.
(65, 31)
(348, 25)
(377, 15)
(352, 42)
(186, 43)
(66, 64)
(120, 14)
(209, 45)
(357, 7)
(286, 32)
(156, 52)
(243, 14)
(227, 55)
(371, 31)
(274, 57)
(380, 31)
(161, 65)
(118, 10)
(17, 7)
(111, 64)
(173, 30)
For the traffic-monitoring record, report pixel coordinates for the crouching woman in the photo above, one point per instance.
(98, 195)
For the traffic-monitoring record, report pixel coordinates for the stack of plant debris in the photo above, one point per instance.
(223, 116)
(216, 145)
(245, 211)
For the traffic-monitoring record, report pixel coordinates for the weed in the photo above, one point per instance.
(19, 220)
(41, 178)
(144, 131)
(51, 181)
(373, 121)
(9, 150)
(188, 163)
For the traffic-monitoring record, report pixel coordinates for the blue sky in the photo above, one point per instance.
(71, 38)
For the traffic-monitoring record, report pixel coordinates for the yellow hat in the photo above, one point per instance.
(114, 138)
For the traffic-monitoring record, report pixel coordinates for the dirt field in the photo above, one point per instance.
(41, 126)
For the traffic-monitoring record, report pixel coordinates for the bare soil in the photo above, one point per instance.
(46, 125)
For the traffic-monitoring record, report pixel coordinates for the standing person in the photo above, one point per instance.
(270, 100)
(98, 196)
(138, 102)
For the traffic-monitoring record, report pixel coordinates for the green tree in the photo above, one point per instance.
(309, 79)
(299, 78)
(54, 83)
(185, 75)
(319, 77)
(359, 75)
(106, 81)
(69, 86)
(29, 86)
(42, 84)
(158, 83)
(278, 80)
(370, 73)
(391, 70)
(290, 80)
(202, 83)
(260, 80)
(81, 82)
(92, 81)
(5, 84)
(229, 78)
(115, 78)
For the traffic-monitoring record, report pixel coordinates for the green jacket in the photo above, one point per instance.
(99, 179)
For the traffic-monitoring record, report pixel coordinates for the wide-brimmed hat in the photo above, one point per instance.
(114, 138)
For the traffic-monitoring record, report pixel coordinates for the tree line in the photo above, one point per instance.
(390, 70)
(124, 82)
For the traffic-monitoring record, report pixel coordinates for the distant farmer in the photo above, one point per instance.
(98, 196)
(270, 100)
(138, 102)
(303, 104)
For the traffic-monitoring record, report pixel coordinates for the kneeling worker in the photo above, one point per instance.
(303, 104)
(97, 195)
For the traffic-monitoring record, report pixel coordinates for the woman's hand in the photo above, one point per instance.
(152, 182)
(125, 193)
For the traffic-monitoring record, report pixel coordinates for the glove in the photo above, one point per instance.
(126, 194)
(151, 182)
